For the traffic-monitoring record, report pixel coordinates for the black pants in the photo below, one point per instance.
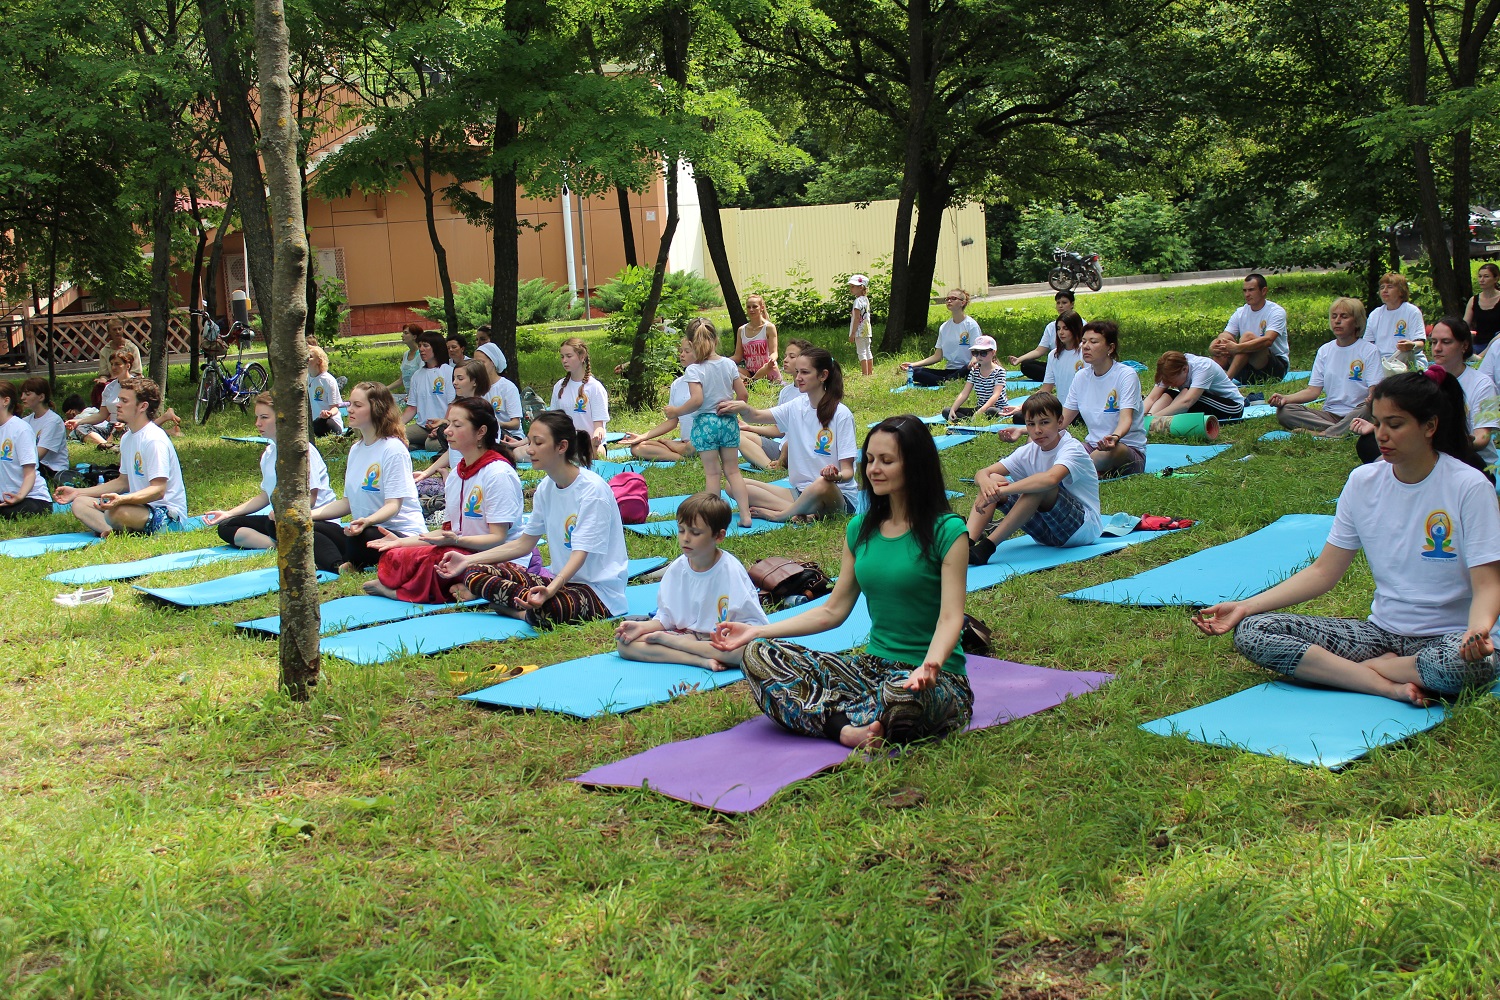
(1034, 369)
(23, 508)
(326, 554)
(1218, 406)
(937, 376)
(324, 426)
(353, 549)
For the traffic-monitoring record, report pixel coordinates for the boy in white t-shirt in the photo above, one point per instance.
(1048, 487)
(859, 323)
(703, 587)
(148, 495)
(1253, 346)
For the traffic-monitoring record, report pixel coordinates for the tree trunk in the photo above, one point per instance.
(627, 225)
(1431, 210)
(288, 354)
(639, 393)
(195, 290)
(933, 195)
(161, 278)
(713, 235)
(1459, 164)
(233, 88)
(310, 323)
(216, 260)
(921, 98)
(505, 231)
(445, 281)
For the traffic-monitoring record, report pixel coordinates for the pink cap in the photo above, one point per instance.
(983, 343)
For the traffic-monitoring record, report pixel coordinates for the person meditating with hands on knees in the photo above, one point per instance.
(150, 474)
(703, 587)
(1253, 346)
(1429, 526)
(1106, 393)
(908, 555)
(22, 488)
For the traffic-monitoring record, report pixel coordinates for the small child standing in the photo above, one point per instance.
(702, 588)
(859, 323)
(711, 380)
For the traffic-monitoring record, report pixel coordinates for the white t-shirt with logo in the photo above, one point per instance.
(810, 447)
(505, 398)
(51, 435)
(379, 472)
(1098, 399)
(1061, 368)
(317, 474)
(148, 454)
(1082, 481)
(1205, 374)
(430, 390)
(1049, 337)
(109, 399)
(585, 517)
(678, 395)
(1346, 375)
(323, 394)
(584, 408)
(689, 601)
(1479, 393)
(490, 496)
(717, 379)
(955, 340)
(1421, 540)
(18, 450)
(1259, 322)
(1385, 326)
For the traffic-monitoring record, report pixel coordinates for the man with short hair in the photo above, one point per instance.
(458, 349)
(1253, 346)
(148, 495)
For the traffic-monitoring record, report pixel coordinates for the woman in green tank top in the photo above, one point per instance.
(908, 555)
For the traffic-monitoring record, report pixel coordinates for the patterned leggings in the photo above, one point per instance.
(818, 694)
(1278, 642)
(507, 583)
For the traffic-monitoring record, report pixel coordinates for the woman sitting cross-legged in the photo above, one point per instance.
(484, 502)
(245, 528)
(1428, 523)
(909, 556)
(577, 513)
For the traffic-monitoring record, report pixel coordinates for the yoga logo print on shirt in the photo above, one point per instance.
(581, 404)
(140, 470)
(1078, 365)
(1400, 329)
(499, 410)
(723, 607)
(824, 444)
(1112, 402)
(963, 338)
(1357, 371)
(568, 526)
(438, 386)
(318, 393)
(372, 479)
(7, 451)
(1262, 328)
(1439, 541)
(472, 508)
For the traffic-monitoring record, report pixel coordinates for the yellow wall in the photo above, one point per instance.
(829, 240)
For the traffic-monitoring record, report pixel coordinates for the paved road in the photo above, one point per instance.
(1035, 291)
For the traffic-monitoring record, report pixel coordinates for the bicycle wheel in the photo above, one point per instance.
(1061, 278)
(252, 383)
(210, 392)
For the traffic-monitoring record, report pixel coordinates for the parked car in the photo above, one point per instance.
(1484, 235)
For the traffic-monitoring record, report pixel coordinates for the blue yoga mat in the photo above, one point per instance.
(353, 612)
(935, 419)
(248, 439)
(423, 455)
(662, 529)
(27, 548)
(1174, 456)
(947, 441)
(981, 428)
(601, 684)
(1252, 412)
(855, 630)
(612, 436)
(1020, 555)
(225, 590)
(1276, 436)
(666, 506)
(1304, 724)
(1225, 572)
(156, 564)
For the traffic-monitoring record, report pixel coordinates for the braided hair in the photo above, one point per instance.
(579, 347)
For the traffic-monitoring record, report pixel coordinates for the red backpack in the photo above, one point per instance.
(630, 493)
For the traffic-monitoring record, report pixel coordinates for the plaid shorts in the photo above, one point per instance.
(161, 520)
(1051, 527)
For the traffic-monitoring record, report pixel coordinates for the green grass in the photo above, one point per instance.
(155, 785)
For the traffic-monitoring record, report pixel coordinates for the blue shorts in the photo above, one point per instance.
(712, 431)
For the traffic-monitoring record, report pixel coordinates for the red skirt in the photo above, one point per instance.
(411, 571)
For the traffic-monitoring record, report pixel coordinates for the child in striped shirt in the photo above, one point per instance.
(986, 382)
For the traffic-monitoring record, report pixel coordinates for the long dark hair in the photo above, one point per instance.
(439, 346)
(560, 426)
(1074, 324)
(1461, 333)
(1434, 394)
(926, 493)
(833, 386)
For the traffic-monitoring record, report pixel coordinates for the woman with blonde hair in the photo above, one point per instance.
(581, 396)
(1344, 372)
(955, 340)
(755, 348)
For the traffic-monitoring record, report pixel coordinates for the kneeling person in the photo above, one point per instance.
(154, 497)
(703, 587)
(1048, 487)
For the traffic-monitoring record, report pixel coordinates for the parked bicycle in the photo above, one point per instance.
(218, 385)
(1072, 268)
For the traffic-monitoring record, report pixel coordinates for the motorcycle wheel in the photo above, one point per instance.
(1093, 280)
(1061, 279)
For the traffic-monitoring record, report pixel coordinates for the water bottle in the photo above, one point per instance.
(909, 378)
(794, 600)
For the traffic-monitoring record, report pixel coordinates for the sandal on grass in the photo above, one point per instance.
(494, 673)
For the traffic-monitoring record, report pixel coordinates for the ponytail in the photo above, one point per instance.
(560, 426)
(1434, 394)
(833, 386)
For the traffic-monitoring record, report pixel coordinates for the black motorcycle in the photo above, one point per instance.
(1073, 268)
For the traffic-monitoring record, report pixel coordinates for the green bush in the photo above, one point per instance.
(800, 305)
(672, 313)
(537, 301)
(329, 314)
(540, 301)
(702, 293)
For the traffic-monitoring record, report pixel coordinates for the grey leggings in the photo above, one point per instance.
(1279, 641)
(1296, 417)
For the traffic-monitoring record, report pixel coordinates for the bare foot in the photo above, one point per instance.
(378, 589)
(1412, 694)
(863, 737)
(746, 522)
(716, 666)
(460, 592)
(766, 514)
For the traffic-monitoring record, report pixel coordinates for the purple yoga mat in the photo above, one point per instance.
(739, 769)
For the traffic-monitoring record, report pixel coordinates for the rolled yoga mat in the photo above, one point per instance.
(1189, 426)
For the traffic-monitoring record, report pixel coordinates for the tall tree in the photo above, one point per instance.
(280, 141)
